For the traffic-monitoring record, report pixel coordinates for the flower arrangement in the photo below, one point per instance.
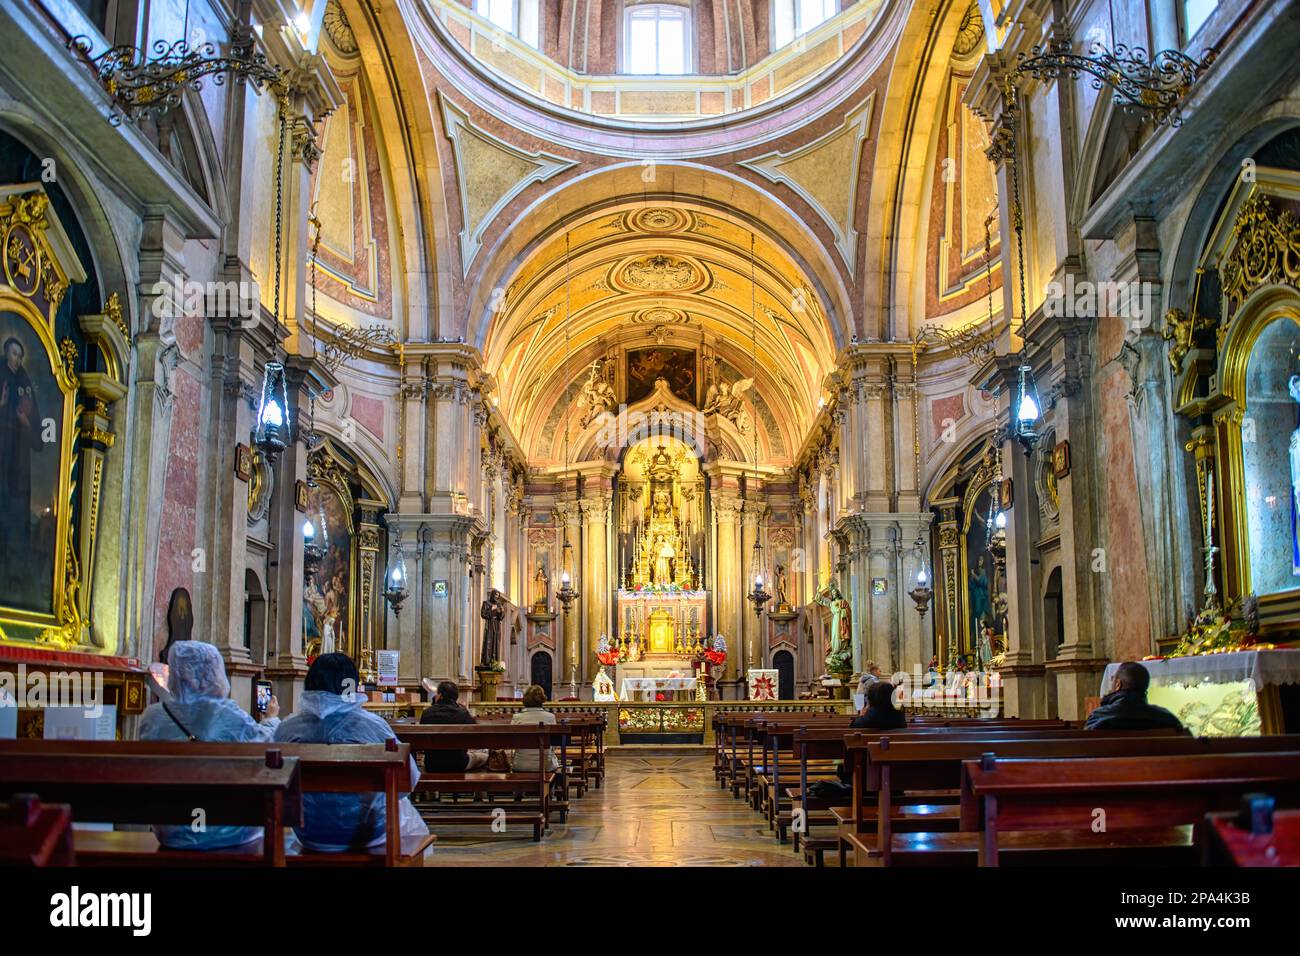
(717, 655)
(1212, 631)
(605, 653)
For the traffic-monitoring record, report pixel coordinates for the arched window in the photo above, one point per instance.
(656, 39)
(794, 18)
(519, 17)
(1194, 15)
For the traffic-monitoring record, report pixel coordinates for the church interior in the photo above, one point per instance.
(606, 423)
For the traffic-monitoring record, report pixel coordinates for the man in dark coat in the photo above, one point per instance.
(446, 710)
(20, 436)
(1126, 707)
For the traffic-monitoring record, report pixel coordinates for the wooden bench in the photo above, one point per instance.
(34, 833)
(534, 786)
(775, 797)
(263, 791)
(1061, 798)
(924, 798)
(586, 764)
(887, 766)
(325, 768)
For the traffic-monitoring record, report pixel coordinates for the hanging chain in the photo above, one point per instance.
(988, 261)
(279, 203)
(569, 403)
(1017, 217)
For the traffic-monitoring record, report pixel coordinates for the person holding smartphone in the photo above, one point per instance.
(201, 709)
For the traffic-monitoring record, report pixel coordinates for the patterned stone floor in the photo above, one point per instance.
(652, 811)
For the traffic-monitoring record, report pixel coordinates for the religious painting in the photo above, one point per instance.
(675, 366)
(982, 621)
(34, 466)
(327, 617)
(243, 462)
(300, 493)
(1061, 459)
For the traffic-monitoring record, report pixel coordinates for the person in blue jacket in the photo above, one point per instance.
(202, 710)
(330, 712)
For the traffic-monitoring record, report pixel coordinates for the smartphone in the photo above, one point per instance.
(262, 695)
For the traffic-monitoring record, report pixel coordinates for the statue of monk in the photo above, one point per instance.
(492, 611)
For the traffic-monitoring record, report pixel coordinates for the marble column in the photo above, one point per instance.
(568, 514)
(1023, 674)
(727, 509)
(287, 665)
(751, 631)
(596, 510)
(235, 391)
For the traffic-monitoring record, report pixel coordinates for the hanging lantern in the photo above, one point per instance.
(922, 592)
(272, 432)
(566, 593)
(758, 595)
(395, 586)
(1026, 410)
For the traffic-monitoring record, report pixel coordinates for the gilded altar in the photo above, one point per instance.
(661, 602)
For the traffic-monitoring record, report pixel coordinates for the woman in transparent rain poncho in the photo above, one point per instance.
(330, 712)
(202, 710)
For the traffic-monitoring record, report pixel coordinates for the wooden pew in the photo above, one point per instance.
(34, 833)
(534, 785)
(1059, 798)
(887, 766)
(928, 796)
(263, 791)
(774, 797)
(325, 768)
(584, 763)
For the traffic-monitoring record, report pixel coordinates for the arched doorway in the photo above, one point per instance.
(539, 671)
(783, 662)
(254, 618)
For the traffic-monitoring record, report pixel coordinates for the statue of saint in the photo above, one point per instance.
(541, 585)
(492, 611)
(840, 653)
(663, 561)
(977, 589)
(781, 599)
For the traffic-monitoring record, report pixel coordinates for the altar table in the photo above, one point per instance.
(650, 686)
(1234, 694)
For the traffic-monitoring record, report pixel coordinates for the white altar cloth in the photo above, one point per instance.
(652, 685)
(1262, 667)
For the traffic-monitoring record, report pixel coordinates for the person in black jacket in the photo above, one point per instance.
(1126, 707)
(880, 712)
(445, 710)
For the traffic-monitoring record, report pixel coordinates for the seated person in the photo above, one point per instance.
(202, 710)
(880, 712)
(533, 713)
(1126, 707)
(870, 675)
(445, 709)
(330, 712)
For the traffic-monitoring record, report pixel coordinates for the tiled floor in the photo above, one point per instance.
(652, 811)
